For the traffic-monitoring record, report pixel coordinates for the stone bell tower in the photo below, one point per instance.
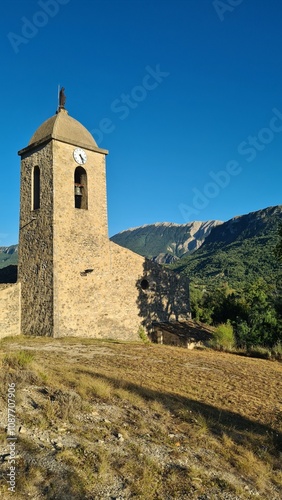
(63, 227)
(75, 281)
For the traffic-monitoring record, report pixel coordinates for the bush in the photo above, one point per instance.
(143, 335)
(259, 352)
(224, 338)
(277, 351)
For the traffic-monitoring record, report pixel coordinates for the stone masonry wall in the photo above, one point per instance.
(36, 245)
(9, 310)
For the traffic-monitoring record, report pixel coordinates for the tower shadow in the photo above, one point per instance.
(163, 295)
(219, 421)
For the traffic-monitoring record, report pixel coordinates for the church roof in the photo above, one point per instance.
(63, 127)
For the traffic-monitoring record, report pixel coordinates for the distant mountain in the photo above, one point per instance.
(8, 256)
(165, 242)
(237, 251)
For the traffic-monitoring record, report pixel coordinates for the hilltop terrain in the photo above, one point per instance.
(115, 420)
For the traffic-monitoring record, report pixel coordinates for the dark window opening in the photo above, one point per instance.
(144, 284)
(36, 188)
(80, 188)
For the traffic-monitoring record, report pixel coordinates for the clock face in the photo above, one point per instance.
(80, 156)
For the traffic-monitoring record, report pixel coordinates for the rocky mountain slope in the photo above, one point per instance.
(8, 256)
(238, 251)
(166, 242)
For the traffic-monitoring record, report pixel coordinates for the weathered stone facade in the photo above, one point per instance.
(9, 310)
(74, 280)
(35, 268)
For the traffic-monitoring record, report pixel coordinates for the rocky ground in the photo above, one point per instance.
(100, 421)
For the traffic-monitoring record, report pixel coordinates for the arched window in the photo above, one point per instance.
(36, 188)
(80, 188)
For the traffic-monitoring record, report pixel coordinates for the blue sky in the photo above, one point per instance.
(185, 94)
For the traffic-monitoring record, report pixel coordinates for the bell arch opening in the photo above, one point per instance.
(80, 188)
(36, 188)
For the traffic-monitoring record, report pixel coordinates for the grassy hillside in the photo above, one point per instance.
(101, 419)
(235, 263)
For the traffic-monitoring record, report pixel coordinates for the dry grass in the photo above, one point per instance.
(113, 419)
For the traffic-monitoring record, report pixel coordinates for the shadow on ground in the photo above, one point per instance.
(239, 428)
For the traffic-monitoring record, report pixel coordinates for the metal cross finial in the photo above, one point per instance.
(62, 98)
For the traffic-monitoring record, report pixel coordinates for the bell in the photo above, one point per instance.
(77, 191)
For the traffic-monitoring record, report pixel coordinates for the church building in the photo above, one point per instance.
(72, 280)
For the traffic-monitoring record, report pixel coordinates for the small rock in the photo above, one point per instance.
(57, 444)
(120, 437)
(22, 430)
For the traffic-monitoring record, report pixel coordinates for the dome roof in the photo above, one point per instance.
(63, 127)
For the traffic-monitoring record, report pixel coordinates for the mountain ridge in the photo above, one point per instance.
(239, 251)
(159, 241)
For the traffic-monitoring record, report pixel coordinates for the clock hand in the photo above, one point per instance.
(82, 159)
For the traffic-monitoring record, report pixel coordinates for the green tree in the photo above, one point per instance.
(255, 311)
(278, 248)
(200, 309)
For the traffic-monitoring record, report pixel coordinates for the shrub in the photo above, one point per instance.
(143, 335)
(277, 351)
(224, 338)
(259, 352)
